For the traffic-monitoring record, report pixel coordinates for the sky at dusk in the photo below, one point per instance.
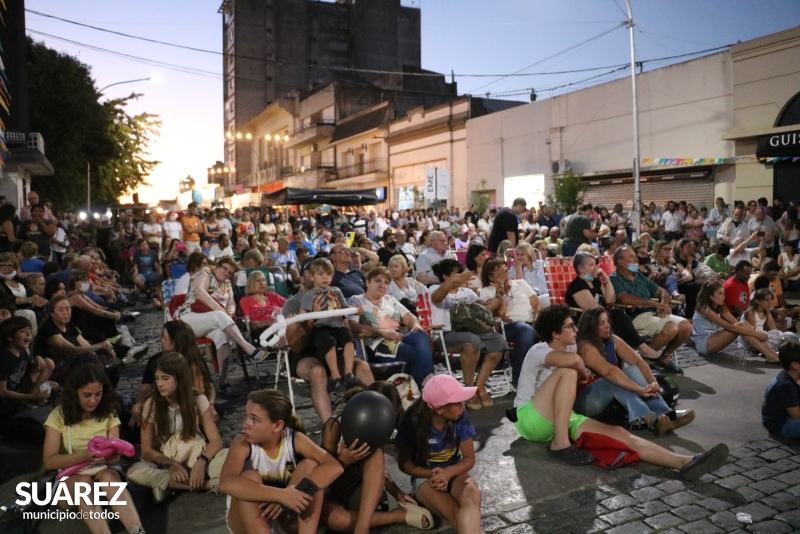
(468, 37)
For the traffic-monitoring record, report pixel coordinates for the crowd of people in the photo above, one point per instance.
(426, 284)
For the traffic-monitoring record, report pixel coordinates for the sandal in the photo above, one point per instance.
(572, 455)
(415, 514)
(486, 399)
(474, 403)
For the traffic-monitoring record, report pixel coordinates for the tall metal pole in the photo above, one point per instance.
(88, 190)
(637, 193)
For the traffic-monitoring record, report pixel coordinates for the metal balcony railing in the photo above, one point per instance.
(368, 166)
(313, 124)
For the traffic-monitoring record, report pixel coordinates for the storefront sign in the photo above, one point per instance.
(779, 144)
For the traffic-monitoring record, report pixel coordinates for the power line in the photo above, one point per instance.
(599, 35)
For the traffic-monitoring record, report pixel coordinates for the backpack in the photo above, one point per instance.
(471, 317)
(607, 451)
(406, 387)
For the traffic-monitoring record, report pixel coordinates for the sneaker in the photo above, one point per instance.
(259, 355)
(137, 352)
(678, 298)
(161, 495)
(350, 381)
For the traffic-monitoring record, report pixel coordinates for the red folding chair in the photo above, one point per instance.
(175, 303)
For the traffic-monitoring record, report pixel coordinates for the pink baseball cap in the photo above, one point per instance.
(444, 389)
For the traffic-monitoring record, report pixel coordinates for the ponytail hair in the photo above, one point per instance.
(419, 416)
(278, 407)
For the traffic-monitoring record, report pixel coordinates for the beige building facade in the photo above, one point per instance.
(699, 124)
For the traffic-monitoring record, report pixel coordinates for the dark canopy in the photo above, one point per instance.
(335, 197)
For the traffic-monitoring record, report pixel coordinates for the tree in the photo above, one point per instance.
(480, 198)
(78, 130)
(568, 192)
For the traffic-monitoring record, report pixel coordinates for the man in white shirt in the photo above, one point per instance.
(546, 393)
(715, 218)
(405, 246)
(672, 223)
(224, 224)
(763, 224)
(432, 255)
(733, 228)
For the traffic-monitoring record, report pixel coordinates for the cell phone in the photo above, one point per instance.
(307, 487)
(760, 234)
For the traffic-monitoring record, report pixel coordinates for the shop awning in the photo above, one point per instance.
(334, 197)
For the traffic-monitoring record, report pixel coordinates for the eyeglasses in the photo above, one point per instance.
(571, 326)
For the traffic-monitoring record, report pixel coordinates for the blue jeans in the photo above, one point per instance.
(671, 284)
(598, 396)
(523, 336)
(415, 350)
(791, 429)
(568, 251)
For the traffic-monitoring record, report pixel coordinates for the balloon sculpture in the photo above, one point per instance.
(281, 322)
(100, 447)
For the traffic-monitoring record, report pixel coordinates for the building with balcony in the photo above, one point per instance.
(274, 47)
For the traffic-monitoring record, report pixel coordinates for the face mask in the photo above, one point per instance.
(84, 286)
(588, 277)
(633, 267)
(8, 276)
(644, 261)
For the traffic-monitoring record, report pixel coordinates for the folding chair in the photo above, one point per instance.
(168, 291)
(281, 352)
(424, 316)
(559, 273)
(176, 302)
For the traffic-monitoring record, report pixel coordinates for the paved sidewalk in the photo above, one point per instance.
(524, 491)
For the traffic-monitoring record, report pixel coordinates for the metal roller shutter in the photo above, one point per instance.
(786, 181)
(694, 188)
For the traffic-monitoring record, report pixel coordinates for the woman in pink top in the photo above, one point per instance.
(259, 305)
(693, 226)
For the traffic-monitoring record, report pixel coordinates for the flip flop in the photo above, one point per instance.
(705, 462)
(474, 403)
(486, 399)
(572, 455)
(415, 514)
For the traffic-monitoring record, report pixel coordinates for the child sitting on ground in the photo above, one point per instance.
(780, 413)
(274, 473)
(758, 314)
(435, 447)
(331, 331)
(23, 378)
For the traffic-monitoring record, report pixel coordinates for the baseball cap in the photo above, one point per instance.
(444, 389)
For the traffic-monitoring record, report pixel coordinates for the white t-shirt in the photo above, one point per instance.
(225, 226)
(440, 312)
(61, 236)
(173, 229)
(182, 284)
(518, 300)
(388, 315)
(217, 253)
(534, 372)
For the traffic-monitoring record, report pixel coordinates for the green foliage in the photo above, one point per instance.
(480, 198)
(78, 129)
(568, 192)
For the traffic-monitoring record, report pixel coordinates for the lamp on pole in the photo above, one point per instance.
(637, 193)
(250, 139)
(155, 78)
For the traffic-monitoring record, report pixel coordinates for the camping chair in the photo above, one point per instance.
(281, 353)
(176, 302)
(435, 332)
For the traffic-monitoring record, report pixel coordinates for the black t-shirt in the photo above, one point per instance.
(14, 368)
(384, 255)
(580, 284)
(33, 231)
(504, 221)
(782, 394)
(351, 283)
(48, 330)
(149, 376)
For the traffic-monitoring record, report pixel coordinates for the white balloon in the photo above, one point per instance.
(281, 322)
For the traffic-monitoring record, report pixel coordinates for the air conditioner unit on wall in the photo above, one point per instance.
(560, 166)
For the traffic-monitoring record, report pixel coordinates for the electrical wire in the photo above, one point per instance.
(599, 35)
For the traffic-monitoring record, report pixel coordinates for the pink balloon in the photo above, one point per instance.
(101, 447)
(71, 470)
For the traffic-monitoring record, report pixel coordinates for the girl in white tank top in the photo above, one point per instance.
(273, 468)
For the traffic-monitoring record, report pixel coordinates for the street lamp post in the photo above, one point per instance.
(154, 78)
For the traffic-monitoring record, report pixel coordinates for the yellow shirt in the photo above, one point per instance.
(82, 432)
